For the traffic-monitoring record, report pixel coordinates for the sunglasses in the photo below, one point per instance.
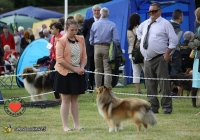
(153, 11)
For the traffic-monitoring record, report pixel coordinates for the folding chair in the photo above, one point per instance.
(6, 78)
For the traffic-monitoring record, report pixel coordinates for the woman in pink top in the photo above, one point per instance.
(56, 28)
(69, 78)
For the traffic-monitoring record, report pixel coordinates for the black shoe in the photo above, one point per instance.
(154, 110)
(90, 89)
(195, 106)
(167, 112)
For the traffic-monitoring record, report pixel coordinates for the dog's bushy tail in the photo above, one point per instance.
(149, 117)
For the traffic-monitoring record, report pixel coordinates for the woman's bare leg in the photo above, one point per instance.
(64, 110)
(75, 111)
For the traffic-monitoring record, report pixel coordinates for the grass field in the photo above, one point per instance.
(182, 124)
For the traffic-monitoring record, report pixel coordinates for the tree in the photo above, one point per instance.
(6, 4)
(84, 2)
(37, 3)
(45, 3)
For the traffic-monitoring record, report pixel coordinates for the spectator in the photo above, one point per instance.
(17, 41)
(21, 31)
(47, 35)
(70, 18)
(32, 37)
(87, 24)
(79, 19)
(7, 52)
(62, 22)
(157, 42)
(7, 38)
(56, 28)
(25, 41)
(195, 45)
(44, 26)
(196, 25)
(102, 33)
(2, 61)
(175, 64)
(71, 59)
(187, 62)
(134, 22)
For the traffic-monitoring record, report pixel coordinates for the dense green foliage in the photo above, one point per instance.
(45, 3)
(6, 4)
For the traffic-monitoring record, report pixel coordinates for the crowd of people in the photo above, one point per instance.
(13, 45)
(163, 53)
(78, 45)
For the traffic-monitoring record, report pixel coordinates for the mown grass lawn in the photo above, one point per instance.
(182, 124)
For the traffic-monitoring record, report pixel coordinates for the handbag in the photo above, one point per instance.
(137, 57)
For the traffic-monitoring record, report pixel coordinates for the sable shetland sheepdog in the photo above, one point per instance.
(116, 110)
(36, 84)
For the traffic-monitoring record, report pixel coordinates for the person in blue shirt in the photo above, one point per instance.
(102, 33)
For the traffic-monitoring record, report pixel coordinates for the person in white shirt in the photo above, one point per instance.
(158, 39)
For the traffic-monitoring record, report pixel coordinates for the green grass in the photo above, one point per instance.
(182, 124)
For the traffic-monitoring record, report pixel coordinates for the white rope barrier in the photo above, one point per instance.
(122, 76)
(119, 93)
(161, 96)
(30, 96)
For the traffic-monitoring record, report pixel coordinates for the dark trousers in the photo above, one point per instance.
(89, 77)
(176, 63)
(194, 93)
(158, 68)
(52, 77)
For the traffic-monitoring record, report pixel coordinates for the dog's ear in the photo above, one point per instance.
(105, 87)
(97, 90)
(100, 89)
(29, 70)
(109, 88)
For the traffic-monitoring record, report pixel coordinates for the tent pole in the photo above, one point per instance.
(66, 9)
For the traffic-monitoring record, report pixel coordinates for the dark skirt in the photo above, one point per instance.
(72, 83)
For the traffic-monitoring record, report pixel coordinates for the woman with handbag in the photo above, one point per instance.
(194, 44)
(134, 46)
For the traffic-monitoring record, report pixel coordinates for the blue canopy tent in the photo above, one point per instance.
(35, 12)
(120, 10)
(27, 16)
(37, 49)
